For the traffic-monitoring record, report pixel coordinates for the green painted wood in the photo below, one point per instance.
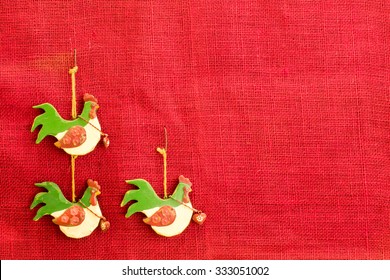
(146, 197)
(54, 200)
(52, 123)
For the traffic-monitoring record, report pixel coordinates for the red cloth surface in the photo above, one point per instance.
(278, 112)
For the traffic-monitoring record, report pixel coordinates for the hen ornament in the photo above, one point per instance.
(76, 137)
(76, 219)
(168, 216)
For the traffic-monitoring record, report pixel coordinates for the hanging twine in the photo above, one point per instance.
(73, 163)
(72, 72)
(163, 152)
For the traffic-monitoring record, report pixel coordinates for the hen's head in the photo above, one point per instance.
(186, 185)
(95, 190)
(93, 103)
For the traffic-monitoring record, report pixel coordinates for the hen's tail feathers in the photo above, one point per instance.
(145, 196)
(53, 199)
(50, 121)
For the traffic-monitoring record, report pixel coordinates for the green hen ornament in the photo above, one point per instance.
(75, 219)
(168, 216)
(76, 137)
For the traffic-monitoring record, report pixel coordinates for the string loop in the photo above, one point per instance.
(163, 152)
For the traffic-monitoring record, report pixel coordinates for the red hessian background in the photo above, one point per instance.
(278, 112)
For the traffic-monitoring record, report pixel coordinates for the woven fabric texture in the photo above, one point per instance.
(278, 112)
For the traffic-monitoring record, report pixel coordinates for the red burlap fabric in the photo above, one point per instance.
(278, 112)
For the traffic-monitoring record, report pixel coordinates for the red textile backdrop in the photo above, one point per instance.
(278, 112)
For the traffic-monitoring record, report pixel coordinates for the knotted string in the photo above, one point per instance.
(163, 152)
(72, 72)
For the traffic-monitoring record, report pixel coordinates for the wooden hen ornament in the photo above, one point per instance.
(76, 219)
(168, 216)
(76, 137)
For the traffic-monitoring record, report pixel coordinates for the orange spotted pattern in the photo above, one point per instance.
(75, 137)
(163, 217)
(73, 216)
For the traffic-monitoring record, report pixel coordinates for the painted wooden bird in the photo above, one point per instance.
(76, 219)
(167, 217)
(76, 137)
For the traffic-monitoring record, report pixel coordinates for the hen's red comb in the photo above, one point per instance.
(184, 180)
(90, 97)
(93, 184)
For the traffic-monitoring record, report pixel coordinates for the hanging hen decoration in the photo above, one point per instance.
(169, 216)
(76, 219)
(76, 137)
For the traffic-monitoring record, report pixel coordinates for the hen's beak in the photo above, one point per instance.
(97, 192)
